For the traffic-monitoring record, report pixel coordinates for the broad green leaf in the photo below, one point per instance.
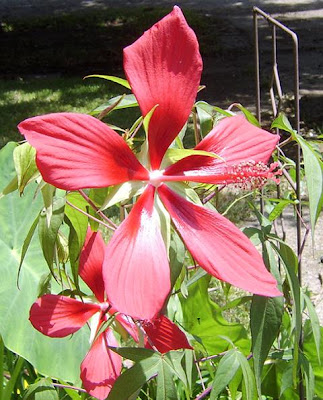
(165, 383)
(174, 361)
(25, 164)
(265, 320)
(45, 354)
(248, 376)
(236, 302)
(9, 180)
(122, 192)
(173, 155)
(133, 353)
(315, 322)
(226, 370)
(48, 230)
(134, 378)
(120, 81)
(202, 318)
(281, 122)
(41, 390)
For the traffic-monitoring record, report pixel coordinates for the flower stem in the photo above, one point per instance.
(96, 209)
(89, 216)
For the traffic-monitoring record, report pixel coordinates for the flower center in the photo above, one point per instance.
(156, 177)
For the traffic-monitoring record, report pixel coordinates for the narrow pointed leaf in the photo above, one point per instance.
(120, 81)
(165, 383)
(24, 158)
(226, 370)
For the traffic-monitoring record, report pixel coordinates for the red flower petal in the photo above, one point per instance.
(136, 270)
(101, 366)
(236, 141)
(76, 151)
(91, 260)
(128, 324)
(219, 246)
(165, 335)
(59, 316)
(164, 67)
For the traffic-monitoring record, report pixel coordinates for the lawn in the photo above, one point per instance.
(24, 98)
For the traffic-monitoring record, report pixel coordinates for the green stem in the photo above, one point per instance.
(14, 376)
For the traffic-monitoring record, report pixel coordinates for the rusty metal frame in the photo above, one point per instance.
(275, 84)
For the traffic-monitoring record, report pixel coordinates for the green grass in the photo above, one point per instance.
(24, 98)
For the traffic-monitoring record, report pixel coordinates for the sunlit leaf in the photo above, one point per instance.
(25, 164)
(226, 370)
(120, 81)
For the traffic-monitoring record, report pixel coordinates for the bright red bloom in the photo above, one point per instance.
(59, 316)
(77, 151)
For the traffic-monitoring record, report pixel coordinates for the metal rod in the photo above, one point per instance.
(275, 80)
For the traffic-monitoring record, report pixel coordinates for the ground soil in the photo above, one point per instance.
(228, 65)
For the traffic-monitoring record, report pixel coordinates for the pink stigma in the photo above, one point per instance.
(251, 175)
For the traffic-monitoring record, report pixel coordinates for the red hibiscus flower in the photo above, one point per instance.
(59, 316)
(76, 151)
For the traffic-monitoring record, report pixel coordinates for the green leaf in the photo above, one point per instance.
(165, 383)
(290, 264)
(265, 320)
(164, 222)
(45, 354)
(281, 122)
(133, 353)
(310, 351)
(251, 118)
(26, 243)
(174, 361)
(41, 390)
(309, 377)
(122, 192)
(9, 179)
(173, 155)
(48, 230)
(279, 208)
(25, 164)
(314, 179)
(226, 370)
(176, 256)
(120, 81)
(248, 376)
(78, 223)
(206, 117)
(202, 318)
(132, 379)
(97, 195)
(125, 101)
(315, 322)
(147, 118)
